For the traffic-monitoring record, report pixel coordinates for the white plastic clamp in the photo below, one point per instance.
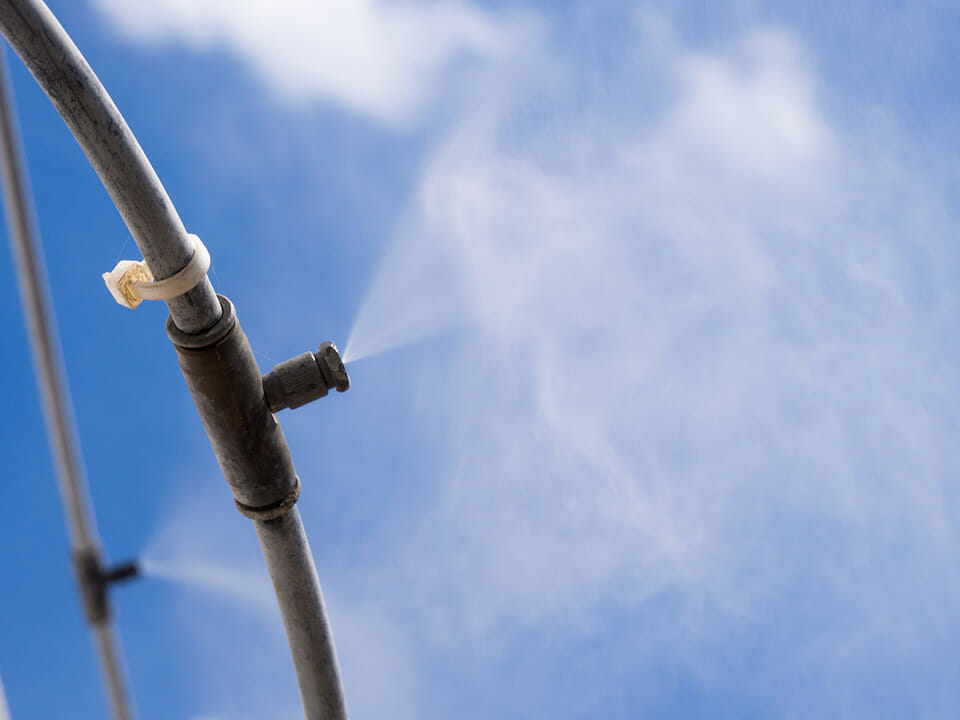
(131, 281)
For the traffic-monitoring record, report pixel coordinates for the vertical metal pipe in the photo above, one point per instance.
(38, 311)
(112, 669)
(287, 552)
(48, 366)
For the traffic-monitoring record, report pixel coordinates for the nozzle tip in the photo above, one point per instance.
(331, 364)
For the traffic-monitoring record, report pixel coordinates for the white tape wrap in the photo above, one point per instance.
(131, 282)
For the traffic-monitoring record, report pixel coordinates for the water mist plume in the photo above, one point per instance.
(246, 588)
(414, 293)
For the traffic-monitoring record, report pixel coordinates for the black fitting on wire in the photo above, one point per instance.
(94, 580)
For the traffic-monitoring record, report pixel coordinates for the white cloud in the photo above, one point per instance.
(376, 57)
(754, 108)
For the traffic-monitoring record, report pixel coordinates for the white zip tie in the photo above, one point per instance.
(131, 281)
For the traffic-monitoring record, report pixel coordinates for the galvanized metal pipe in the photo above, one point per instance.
(287, 552)
(79, 96)
(112, 669)
(48, 367)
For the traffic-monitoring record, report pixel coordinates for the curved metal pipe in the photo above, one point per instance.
(80, 98)
(290, 563)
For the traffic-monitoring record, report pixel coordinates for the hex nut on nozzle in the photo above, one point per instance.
(331, 364)
(305, 378)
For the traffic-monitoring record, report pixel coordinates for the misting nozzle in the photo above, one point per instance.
(119, 573)
(305, 378)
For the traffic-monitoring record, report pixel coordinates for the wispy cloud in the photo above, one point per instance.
(379, 58)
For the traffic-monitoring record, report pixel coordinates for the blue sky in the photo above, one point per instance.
(652, 310)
